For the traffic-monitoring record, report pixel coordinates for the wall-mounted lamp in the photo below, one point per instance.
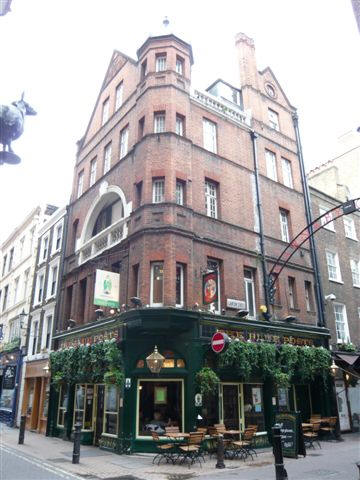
(136, 301)
(46, 369)
(99, 313)
(242, 313)
(289, 319)
(334, 368)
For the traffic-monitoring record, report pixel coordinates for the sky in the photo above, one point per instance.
(58, 51)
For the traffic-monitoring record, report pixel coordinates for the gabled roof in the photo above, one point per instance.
(268, 69)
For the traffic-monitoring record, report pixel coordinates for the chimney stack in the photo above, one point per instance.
(247, 61)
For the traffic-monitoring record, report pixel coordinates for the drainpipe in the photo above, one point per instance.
(318, 288)
(254, 136)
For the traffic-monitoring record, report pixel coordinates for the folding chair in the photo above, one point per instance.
(192, 449)
(166, 450)
(312, 435)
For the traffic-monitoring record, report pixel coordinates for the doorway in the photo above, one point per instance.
(99, 412)
(231, 411)
(303, 401)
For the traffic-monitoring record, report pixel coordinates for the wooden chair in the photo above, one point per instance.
(244, 447)
(330, 428)
(312, 435)
(192, 450)
(252, 427)
(172, 430)
(202, 430)
(165, 450)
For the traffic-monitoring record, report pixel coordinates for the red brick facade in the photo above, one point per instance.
(184, 234)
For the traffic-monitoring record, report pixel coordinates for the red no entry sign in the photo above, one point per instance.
(219, 341)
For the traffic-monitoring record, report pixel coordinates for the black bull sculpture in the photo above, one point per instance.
(12, 126)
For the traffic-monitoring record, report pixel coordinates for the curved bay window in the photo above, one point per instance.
(160, 405)
(84, 405)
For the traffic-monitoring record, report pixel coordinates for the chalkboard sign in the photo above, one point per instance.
(291, 434)
(9, 378)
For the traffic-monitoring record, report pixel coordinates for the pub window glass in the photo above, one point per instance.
(84, 403)
(111, 410)
(283, 399)
(254, 406)
(63, 400)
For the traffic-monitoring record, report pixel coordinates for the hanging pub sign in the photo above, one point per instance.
(107, 289)
(210, 288)
(9, 378)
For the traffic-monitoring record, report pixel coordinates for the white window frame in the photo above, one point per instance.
(341, 312)
(119, 95)
(249, 283)
(152, 303)
(349, 227)
(160, 63)
(80, 184)
(179, 65)
(26, 282)
(107, 158)
(273, 119)
(52, 266)
(179, 192)
(47, 315)
(211, 199)
(105, 111)
(333, 266)
(34, 329)
(124, 141)
(330, 226)
(93, 169)
(179, 125)
(209, 135)
(39, 274)
(271, 165)
(21, 248)
(308, 296)
(14, 329)
(355, 272)
(58, 227)
(16, 289)
(159, 122)
(284, 225)
(158, 190)
(45, 247)
(181, 267)
(287, 172)
(292, 292)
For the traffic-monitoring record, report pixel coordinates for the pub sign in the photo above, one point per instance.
(210, 288)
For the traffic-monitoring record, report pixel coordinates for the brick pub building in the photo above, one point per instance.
(171, 183)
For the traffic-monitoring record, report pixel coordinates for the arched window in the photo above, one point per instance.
(108, 215)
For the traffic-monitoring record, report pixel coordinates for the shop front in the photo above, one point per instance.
(10, 370)
(119, 405)
(36, 395)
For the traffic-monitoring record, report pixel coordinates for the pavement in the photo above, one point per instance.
(335, 461)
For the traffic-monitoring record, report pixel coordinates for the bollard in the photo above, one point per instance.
(220, 453)
(280, 472)
(77, 439)
(22, 430)
(358, 465)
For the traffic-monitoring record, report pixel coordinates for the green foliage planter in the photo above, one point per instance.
(87, 364)
(284, 364)
(207, 382)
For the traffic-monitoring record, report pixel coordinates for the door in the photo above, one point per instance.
(303, 401)
(99, 412)
(231, 405)
(342, 406)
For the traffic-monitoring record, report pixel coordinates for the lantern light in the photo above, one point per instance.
(155, 361)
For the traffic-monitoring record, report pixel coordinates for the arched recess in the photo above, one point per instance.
(108, 196)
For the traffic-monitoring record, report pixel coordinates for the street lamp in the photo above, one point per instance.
(155, 361)
(334, 368)
(46, 369)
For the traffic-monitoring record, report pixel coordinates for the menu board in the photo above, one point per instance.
(291, 434)
(9, 378)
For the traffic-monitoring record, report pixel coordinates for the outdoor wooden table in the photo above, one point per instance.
(232, 432)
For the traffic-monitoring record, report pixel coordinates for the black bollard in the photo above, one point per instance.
(77, 439)
(22, 430)
(280, 472)
(220, 452)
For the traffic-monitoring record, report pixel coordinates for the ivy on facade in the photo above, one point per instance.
(283, 364)
(96, 363)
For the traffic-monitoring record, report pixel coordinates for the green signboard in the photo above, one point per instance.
(291, 434)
